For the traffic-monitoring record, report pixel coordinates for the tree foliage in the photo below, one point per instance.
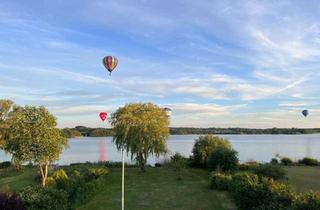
(34, 137)
(141, 129)
(204, 146)
(223, 159)
(6, 107)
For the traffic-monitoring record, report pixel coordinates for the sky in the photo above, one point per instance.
(221, 63)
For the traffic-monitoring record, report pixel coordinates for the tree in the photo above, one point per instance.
(141, 129)
(34, 137)
(6, 107)
(203, 147)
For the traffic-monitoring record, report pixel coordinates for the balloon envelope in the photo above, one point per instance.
(110, 63)
(103, 116)
(305, 113)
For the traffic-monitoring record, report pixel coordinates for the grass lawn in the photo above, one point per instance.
(304, 178)
(16, 180)
(158, 188)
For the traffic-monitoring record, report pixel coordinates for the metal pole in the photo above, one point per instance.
(122, 200)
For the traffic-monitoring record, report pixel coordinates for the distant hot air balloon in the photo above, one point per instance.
(168, 111)
(305, 113)
(110, 63)
(103, 116)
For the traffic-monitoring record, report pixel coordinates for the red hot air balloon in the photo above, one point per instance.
(103, 116)
(110, 63)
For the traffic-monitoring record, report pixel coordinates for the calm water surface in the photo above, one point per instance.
(250, 147)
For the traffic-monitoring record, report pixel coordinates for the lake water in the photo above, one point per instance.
(250, 147)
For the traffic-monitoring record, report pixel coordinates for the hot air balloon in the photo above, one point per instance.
(110, 63)
(168, 111)
(103, 116)
(305, 113)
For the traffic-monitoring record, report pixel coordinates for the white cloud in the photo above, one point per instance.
(81, 110)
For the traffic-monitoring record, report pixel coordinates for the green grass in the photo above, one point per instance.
(16, 180)
(304, 178)
(159, 188)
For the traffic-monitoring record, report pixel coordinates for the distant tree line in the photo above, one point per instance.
(86, 131)
(188, 130)
(101, 132)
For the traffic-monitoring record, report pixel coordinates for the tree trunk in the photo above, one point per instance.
(141, 162)
(44, 174)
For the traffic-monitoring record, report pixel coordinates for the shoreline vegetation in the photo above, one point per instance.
(79, 131)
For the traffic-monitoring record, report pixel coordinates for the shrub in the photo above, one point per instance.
(38, 198)
(274, 161)
(203, 147)
(246, 191)
(178, 163)
(10, 202)
(277, 196)
(220, 181)
(248, 166)
(286, 161)
(110, 164)
(97, 172)
(59, 179)
(81, 190)
(5, 164)
(308, 201)
(270, 171)
(249, 193)
(224, 159)
(309, 161)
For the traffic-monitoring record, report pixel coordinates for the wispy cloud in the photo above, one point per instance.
(205, 59)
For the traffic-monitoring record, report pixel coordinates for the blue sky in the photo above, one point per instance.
(215, 63)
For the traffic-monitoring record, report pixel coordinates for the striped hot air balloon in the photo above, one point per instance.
(110, 63)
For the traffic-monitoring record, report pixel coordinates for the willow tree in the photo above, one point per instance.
(33, 137)
(141, 129)
(6, 107)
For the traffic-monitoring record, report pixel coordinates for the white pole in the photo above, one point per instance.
(122, 200)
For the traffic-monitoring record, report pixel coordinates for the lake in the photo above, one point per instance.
(250, 147)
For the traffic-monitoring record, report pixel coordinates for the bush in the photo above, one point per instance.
(5, 164)
(38, 198)
(277, 196)
(81, 190)
(10, 202)
(97, 172)
(223, 159)
(203, 147)
(59, 179)
(246, 190)
(249, 166)
(274, 161)
(286, 161)
(110, 164)
(249, 193)
(309, 161)
(220, 181)
(178, 163)
(308, 201)
(270, 171)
